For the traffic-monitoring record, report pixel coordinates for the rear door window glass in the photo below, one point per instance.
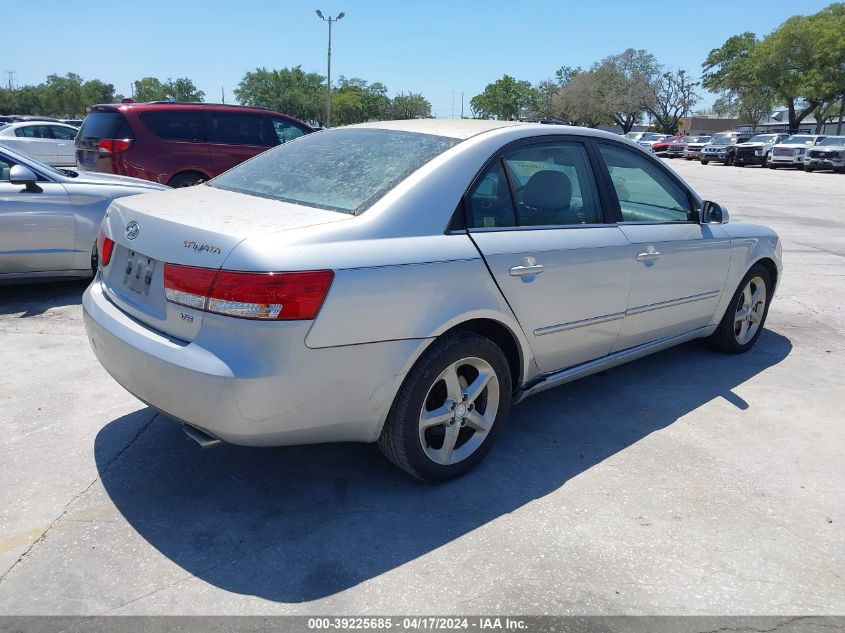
(176, 126)
(63, 133)
(490, 203)
(232, 128)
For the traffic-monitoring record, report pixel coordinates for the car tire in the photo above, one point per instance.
(772, 166)
(808, 169)
(799, 167)
(687, 158)
(765, 161)
(187, 179)
(95, 260)
(729, 160)
(436, 429)
(704, 162)
(745, 317)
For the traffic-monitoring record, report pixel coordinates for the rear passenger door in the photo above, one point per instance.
(65, 148)
(235, 137)
(678, 266)
(537, 217)
(34, 140)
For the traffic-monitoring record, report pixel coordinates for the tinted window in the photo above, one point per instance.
(343, 170)
(176, 126)
(554, 185)
(105, 125)
(33, 131)
(286, 131)
(63, 133)
(490, 204)
(646, 193)
(833, 140)
(234, 128)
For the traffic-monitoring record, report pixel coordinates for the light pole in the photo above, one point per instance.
(330, 20)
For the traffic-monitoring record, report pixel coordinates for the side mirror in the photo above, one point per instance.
(713, 213)
(20, 175)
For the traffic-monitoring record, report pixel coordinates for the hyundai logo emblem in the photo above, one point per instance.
(132, 230)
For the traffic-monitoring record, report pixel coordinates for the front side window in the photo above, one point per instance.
(233, 128)
(645, 192)
(286, 131)
(63, 133)
(176, 126)
(833, 140)
(344, 170)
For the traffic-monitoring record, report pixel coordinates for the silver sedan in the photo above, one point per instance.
(49, 217)
(407, 282)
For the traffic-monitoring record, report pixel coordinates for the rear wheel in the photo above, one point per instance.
(746, 315)
(187, 179)
(449, 409)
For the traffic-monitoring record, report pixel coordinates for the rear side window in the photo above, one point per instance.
(33, 131)
(645, 192)
(99, 125)
(176, 126)
(344, 170)
(233, 128)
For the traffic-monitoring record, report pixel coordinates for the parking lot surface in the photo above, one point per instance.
(688, 482)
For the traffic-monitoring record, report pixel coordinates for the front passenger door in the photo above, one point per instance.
(678, 265)
(536, 216)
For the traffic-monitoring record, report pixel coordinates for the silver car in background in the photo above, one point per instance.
(406, 282)
(46, 141)
(49, 217)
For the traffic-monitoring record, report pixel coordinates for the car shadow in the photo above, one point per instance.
(300, 523)
(32, 299)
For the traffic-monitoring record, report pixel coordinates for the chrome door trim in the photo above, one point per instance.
(553, 379)
(673, 302)
(562, 327)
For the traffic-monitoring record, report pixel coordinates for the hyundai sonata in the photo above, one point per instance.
(406, 282)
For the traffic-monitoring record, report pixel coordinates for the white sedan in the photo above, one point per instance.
(48, 142)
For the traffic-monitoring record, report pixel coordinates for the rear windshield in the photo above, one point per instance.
(105, 125)
(343, 170)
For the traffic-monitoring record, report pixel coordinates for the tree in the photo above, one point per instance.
(183, 89)
(356, 100)
(149, 89)
(731, 70)
(505, 99)
(803, 61)
(410, 106)
(288, 90)
(673, 96)
(625, 85)
(543, 107)
(153, 89)
(579, 101)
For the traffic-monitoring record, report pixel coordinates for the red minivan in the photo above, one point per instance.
(178, 144)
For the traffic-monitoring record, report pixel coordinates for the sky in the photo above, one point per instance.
(439, 48)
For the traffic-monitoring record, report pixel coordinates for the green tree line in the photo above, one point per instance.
(288, 90)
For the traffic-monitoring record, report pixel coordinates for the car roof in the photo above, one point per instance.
(18, 124)
(465, 128)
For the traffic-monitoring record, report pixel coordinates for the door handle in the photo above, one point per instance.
(528, 266)
(650, 255)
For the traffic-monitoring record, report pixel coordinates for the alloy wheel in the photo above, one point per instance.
(459, 410)
(750, 310)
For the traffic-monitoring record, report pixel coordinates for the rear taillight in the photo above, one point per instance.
(114, 145)
(247, 295)
(105, 246)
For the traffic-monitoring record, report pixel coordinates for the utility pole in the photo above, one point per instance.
(330, 20)
(222, 94)
(462, 104)
(11, 74)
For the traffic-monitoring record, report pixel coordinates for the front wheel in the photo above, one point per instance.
(450, 408)
(765, 162)
(704, 162)
(746, 315)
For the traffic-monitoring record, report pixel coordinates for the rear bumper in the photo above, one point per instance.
(251, 383)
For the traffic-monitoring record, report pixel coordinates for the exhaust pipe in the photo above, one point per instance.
(201, 437)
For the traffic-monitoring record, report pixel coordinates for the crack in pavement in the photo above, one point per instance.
(77, 496)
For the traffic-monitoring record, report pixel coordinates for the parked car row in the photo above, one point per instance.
(809, 152)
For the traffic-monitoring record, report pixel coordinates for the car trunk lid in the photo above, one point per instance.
(197, 227)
